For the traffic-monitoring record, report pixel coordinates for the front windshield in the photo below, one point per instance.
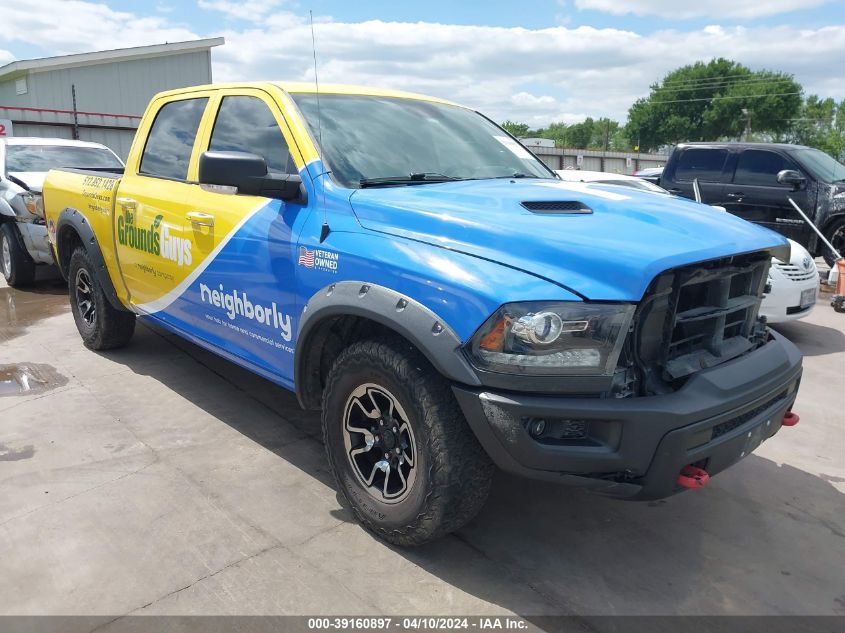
(824, 167)
(39, 158)
(369, 137)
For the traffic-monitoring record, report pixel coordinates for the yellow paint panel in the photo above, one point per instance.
(92, 196)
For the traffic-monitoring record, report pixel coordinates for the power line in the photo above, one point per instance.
(729, 84)
(673, 82)
(770, 94)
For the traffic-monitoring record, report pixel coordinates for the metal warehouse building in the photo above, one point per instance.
(97, 96)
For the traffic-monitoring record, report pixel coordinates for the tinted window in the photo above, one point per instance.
(47, 157)
(759, 167)
(171, 139)
(245, 124)
(704, 164)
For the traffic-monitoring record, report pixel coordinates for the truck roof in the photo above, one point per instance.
(298, 87)
(743, 144)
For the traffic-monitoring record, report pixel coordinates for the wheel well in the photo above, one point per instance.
(831, 221)
(324, 344)
(66, 242)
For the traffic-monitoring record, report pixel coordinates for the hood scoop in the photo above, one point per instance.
(555, 207)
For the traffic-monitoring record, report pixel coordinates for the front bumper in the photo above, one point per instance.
(35, 241)
(636, 447)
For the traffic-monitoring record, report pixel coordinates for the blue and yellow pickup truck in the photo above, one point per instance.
(406, 266)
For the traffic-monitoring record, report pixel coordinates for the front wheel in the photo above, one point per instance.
(398, 445)
(17, 266)
(100, 324)
(836, 236)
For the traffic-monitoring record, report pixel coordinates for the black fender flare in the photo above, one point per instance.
(415, 322)
(73, 220)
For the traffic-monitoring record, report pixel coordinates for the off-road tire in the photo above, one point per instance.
(835, 234)
(454, 473)
(16, 264)
(109, 327)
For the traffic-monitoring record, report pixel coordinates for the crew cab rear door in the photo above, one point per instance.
(152, 250)
(754, 193)
(705, 163)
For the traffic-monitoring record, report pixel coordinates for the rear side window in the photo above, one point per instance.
(245, 124)
(171, 139)
(704, 164)
(760, 167)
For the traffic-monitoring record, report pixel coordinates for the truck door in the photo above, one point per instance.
(754, 193)
(241, 298)
(703, 163)
(149, 210)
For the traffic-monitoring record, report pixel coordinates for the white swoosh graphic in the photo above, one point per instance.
(164, 301)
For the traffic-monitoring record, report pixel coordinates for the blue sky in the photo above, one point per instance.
(535, 61)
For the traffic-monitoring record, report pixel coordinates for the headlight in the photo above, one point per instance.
(33, 203)
(552, 338)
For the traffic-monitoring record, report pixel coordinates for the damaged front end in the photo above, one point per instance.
(693, 318)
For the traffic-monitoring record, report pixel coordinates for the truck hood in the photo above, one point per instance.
(34, 180)
(610, 253)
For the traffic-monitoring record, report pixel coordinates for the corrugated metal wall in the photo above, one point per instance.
(120, 87)
(118, 140)
(593, 160)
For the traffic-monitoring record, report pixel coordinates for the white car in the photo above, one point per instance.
(24, 162)
(607, 178)
(792, 287)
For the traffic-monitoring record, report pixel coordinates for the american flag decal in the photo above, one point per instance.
(306, 257)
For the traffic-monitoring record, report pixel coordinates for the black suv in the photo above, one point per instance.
(755, 180)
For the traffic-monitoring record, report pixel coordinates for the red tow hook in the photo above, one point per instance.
(790, 419)
(693, 477)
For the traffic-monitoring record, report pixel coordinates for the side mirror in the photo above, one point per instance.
(791, 177)
(248, 173)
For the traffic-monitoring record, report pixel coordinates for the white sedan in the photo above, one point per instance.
(24, 162)
(792, 287)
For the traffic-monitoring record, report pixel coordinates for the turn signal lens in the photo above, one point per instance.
(494, 340)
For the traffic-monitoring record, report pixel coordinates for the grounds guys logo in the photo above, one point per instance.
(237, 303)
(155, 239)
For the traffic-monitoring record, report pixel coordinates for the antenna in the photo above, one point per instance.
(324, 231)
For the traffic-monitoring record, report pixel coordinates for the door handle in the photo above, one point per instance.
(736, 195)
(198, 218)
(130, 204)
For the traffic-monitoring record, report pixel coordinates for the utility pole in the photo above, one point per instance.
(747, 113)
(75, 116)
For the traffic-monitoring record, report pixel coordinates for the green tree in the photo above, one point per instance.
(821, 124)
(579, 135)
(516, 129)
(713, 100)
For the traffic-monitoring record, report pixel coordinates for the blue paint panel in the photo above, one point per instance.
(460, 249)
(611, 254)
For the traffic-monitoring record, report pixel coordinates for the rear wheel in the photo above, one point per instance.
(18, 267)
(100, 324)
(836, 236)
(400, 449)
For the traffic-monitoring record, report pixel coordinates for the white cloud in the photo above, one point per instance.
(536, 76)
(720, 9)
(250, 10)
(75, 26)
